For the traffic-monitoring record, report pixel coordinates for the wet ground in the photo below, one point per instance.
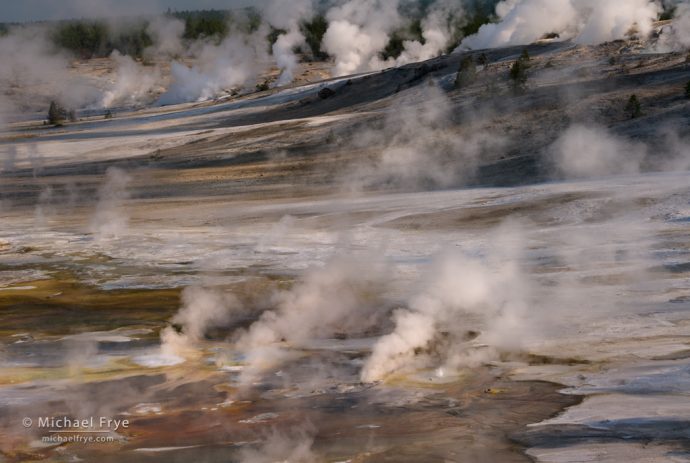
(82, 316)
(247, 202)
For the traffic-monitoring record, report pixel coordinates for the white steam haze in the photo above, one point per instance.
(166, 33)
(43, 205)
(421, 145)
(110, 219)
(676, 37)
(5, 111)
(367, 260)
(437, 32)
(202, 308)
(295, 447)
(219, 68)
(29, 61)
(133, 85)
(287, 16)
(586, 21)
(357, 32)
(588, 151)
(32, 64)
(459, 290)
(476, 290)
(339, 297)
(585, 152)
(17, 156)
(676, 149)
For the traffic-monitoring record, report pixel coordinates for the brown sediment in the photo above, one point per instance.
(478, 429)
(679, 355)
(538, 359)
(471, 419)
(64, 305)
(539, 211)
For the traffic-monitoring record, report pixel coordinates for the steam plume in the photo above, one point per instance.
(282, 447)
(358, 30)
(437, 32)
(422, 147)
(336, 298)
(589, 151)
(31, 65)
(202, 309)
(287, 16)
(222, 68)
(676, 37)
(585, 21)
(166, 33)
(133, 83)
(110, 219)
(461, 288)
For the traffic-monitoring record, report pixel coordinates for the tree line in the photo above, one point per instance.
(95, 38)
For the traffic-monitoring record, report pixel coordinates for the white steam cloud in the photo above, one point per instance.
(583, 152)
(585, 21)
(676, 37)
(133, 84)
(677, 150)
(219, 69)
(5, 111)
(280, 447)
(286, 59)
(357, 31)
(166, 34)
(437, 32)
(32, 73)
(110, 219)
(287, 16)
(587, 151)
(338, 298)
(202, 308)
(461, 292)
(422, 147)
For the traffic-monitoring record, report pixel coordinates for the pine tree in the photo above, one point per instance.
(633, 108)
(56, 114)
(518, 71)
(518, 74)
(467, 73)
